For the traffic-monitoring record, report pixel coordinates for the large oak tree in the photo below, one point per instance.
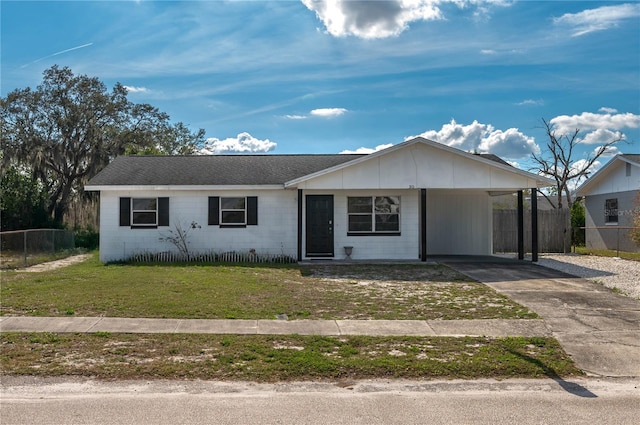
(71, 126)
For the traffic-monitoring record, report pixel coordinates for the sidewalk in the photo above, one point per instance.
(490, 328)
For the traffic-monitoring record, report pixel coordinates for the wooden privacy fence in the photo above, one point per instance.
(554, 230)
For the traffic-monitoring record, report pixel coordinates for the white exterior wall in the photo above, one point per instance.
(421, 166)
(276, 232)
(459, 223)
(403, 247)
(616, 180)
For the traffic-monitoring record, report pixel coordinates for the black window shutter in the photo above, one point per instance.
(125, 211)
(252, 210)
(163, 211)
(214, 210)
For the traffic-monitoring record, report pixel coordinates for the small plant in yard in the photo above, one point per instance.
(179, 237)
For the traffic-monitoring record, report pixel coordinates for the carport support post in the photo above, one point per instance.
(520, 225)
(423, 224)
(534, 225)
(300, 224)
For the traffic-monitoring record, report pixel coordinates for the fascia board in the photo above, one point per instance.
(107, 188)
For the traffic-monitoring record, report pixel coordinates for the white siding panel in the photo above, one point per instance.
(419, 166)
(616, 180)
(458, 223)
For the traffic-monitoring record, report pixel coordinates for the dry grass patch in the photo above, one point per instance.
(264, 358)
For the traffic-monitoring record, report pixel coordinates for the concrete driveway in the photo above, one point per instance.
(598, 328)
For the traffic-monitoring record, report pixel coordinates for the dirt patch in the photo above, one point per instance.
(52, 265)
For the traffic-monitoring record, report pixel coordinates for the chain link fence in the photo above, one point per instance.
(614, 238)
(21, 248)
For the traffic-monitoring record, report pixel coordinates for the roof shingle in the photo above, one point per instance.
(213, 170)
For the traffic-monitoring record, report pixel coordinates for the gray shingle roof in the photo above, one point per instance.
(213, 169)
(635, 157)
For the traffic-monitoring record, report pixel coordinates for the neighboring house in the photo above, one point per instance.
(414, 199)
(610, 202)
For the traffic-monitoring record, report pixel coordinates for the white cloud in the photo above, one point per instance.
(372, 19)
(368, 150)
(609, 152)
(510, 143)
(133, 89)
(602, 136)
(579, 165)
(295, 117)
(601, 18)
(488, 52)
(608, 110)
(531, 102)
(243, 143)
(589, 121)
(328, 112)
(483, 138)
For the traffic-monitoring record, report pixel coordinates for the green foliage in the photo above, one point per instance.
(577, 221)
(87, 238)
(70, 127)
(23, 202)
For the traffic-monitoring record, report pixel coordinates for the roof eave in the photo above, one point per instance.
(192, 187)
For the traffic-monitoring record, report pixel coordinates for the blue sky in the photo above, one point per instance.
(333, 76)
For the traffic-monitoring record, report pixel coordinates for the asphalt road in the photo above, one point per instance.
(585, 401)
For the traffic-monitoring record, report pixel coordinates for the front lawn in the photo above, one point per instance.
(268, 358)
(219, 291)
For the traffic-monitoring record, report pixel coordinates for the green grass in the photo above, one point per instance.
(635, 256)
(279, 358)
(422, 292)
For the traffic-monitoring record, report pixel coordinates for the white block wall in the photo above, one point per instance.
(458, 223)
(276, 232)
(404, 247)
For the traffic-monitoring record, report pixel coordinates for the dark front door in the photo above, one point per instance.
(319, 220)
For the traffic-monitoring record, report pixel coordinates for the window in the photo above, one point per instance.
(373, 215)
(144, 212)
(611, 211)
(233, 211)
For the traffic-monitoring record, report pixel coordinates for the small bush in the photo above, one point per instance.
(87, 238)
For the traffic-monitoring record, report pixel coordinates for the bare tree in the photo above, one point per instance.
(559, 162)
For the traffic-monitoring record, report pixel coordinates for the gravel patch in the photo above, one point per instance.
(614, 273)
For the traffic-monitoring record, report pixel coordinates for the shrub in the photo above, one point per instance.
(87, 238)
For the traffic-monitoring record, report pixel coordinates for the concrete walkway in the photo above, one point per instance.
(598, 328)
(492, 328)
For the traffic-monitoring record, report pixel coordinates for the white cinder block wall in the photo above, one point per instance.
(276, 232)
(404, 247)
(458, 222)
